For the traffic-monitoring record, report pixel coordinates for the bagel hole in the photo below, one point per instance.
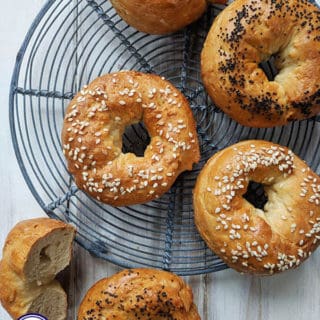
(44, 257)
(269, 68)
(256, 195)
(135, 139)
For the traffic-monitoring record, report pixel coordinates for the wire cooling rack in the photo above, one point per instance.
(68, 45)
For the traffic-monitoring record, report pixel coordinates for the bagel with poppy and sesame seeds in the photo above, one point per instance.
(139, 294)
(95, 121)
(249, 32)
(161, 16)
(262, 241)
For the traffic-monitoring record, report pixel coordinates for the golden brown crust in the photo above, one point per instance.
(159, 16)
(248, 32)
(10, 292)
(17, 296)
(139, 294)
(92, 137)
(24, 236)
(22, 288)
(248, 239)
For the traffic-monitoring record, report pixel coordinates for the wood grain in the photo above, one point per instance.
(226, 295)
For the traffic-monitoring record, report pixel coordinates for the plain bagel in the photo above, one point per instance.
(92, 137)
(160, 16)
(35, 251)
(264, 241)
(139, 294)
(249, 32)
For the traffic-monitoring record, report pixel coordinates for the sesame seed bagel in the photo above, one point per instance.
(264, 241)
(160, 16)
(249, 32)
(92, 133)
(139, 294)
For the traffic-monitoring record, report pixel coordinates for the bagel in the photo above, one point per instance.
(160, 16)
(249, 32)
(263, 241)
(92, 137)
(35, 251)
(139, 294)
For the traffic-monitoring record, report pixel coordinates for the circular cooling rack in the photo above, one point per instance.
(69, 44)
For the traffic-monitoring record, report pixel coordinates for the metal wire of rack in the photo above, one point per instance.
(68, 45)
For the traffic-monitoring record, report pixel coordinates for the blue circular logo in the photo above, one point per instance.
(32, 316)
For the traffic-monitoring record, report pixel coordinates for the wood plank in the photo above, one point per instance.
(16, 200)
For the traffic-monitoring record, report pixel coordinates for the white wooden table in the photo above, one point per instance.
(224, 295)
